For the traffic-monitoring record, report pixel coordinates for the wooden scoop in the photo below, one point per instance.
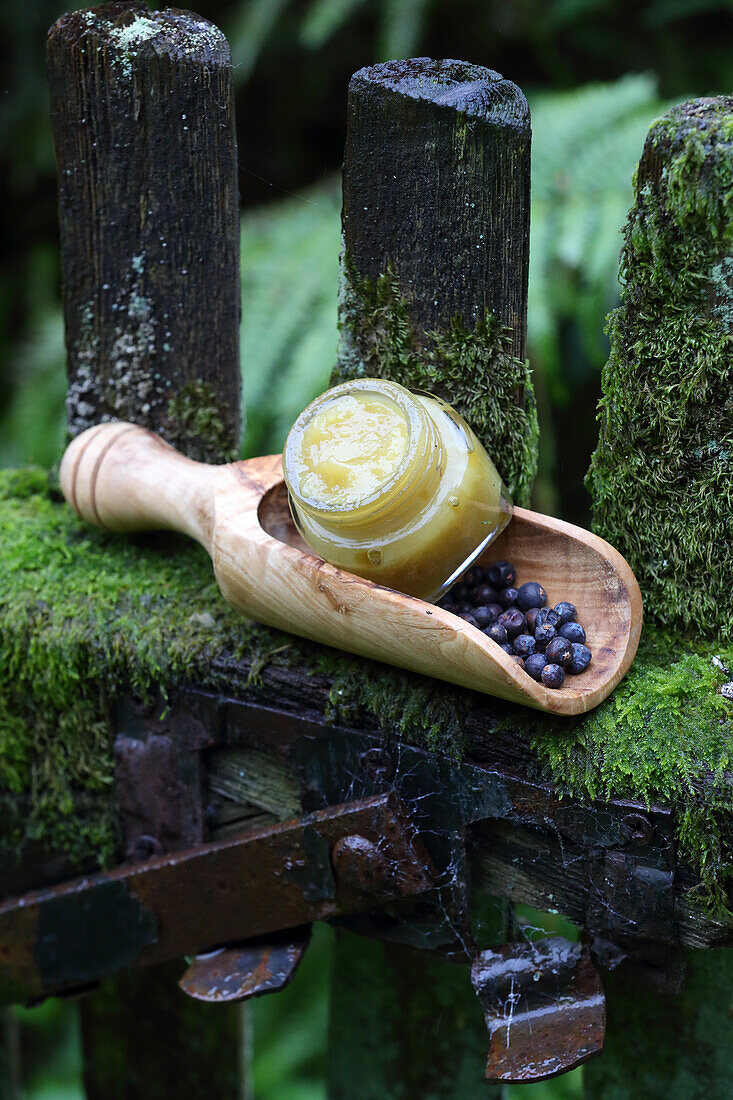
(124, 478)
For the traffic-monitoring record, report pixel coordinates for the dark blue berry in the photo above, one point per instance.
(496, 632)
(531, 594)
(517, 660)
(474, 576)
(468, 617)
(459, 592)
(568, 612)
(533, 665)
(559, 652)
(580, 659)
(485, 594)
(525, 645)
(572, 631)
(547, 615)
(543, 635)
(447, 603)
(552, 676)
(501, 574)
(462, 607)
(484, 616)
(531, 619)
(508, 648)
(496, 610)
(507, 597)
(512, 621)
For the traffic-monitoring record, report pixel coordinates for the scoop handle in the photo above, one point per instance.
(121, 477)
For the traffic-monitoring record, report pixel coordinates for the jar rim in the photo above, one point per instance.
(415, 420)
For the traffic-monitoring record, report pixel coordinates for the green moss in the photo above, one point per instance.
(83, 615)
(662, 476)
(472, 369)
(414, 708)
(665, 735)
(193, 419)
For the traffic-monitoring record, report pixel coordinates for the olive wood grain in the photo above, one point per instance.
(124, 478)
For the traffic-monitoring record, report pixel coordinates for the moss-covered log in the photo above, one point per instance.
(87, 616)
(662, 476)
(435, 260)
(143, 122)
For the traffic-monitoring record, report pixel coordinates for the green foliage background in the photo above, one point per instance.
(596, 72)
(585, 146)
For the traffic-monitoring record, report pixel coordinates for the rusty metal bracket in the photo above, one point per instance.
(249, 970)
(631, 919)
(217, 894)
(544, 1008)
(631, 901)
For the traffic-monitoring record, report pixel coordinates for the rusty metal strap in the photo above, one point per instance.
(281, 877)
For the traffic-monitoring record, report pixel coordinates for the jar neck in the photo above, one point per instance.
(417, 478)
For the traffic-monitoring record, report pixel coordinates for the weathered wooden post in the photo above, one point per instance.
(10, 1085)
(404, 1022)
(144, 1039)
(436, 246)
(663, 493)
(433, 295)
(143, 121)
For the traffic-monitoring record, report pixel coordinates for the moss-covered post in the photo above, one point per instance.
(662, 485)
(143, 123)
(436, 246)
(662, 476)
(433, 295)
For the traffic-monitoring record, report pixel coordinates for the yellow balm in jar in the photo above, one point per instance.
(392, 485)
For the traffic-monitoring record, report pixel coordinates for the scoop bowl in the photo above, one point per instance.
(123, 478)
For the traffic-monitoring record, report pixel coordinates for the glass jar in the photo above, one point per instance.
(393, 486)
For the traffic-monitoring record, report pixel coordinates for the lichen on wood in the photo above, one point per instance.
(143, 122)
(471, 368)
(662, 475)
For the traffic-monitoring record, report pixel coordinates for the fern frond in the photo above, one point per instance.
(324, 18)
(401, 27)
(289, 287)
(248, 33)
(585, 147)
